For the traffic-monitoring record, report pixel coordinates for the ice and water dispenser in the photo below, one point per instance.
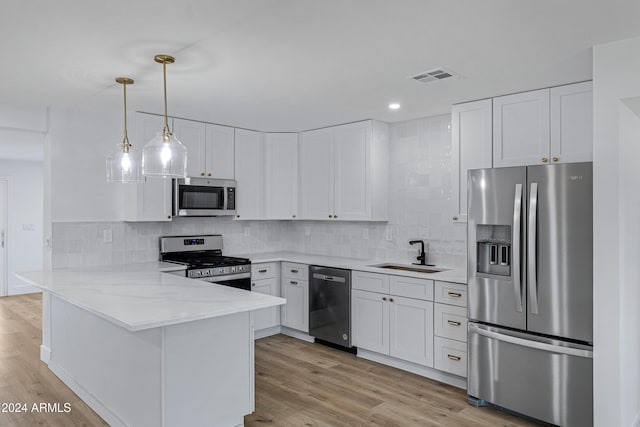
(494, 249)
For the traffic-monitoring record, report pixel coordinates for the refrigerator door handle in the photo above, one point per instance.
(473, 328)
(517, 223)
(531, 250)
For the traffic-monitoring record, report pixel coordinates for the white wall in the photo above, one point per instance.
(80, 142)
(25, 221)
(616, 237)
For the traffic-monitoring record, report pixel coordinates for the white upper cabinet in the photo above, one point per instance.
(210, 148)
(192, 136)
(352, 157)
(544, 126)
(151, 199)
(220, 152)
(249, 170)
(316, 174)
(281, 175)
(343, 172)
(471, 127)
(521, 128)
(572, 123)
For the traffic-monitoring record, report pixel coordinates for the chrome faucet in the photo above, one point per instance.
(422, 257)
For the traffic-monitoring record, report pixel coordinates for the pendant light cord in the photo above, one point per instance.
(167, 131)
(125, 141)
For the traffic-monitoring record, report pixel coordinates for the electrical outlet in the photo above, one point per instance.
(389, 234)
(107, 236)
(307, 231)
(365, 233)
(247, 231)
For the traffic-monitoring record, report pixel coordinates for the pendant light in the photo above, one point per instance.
(122, 164)
(164, 156)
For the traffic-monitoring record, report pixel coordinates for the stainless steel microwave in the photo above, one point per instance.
(204, 197)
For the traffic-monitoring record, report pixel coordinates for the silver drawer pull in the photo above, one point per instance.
(294, 271)
(264, 270)
(453, 323)
(454, 294)
(454, 358)
(293, 283)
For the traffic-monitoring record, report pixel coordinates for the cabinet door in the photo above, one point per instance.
(316, 174)
(192, 136)
(521, 129)
(295, 313)
(249, 160)
(471, 135)
(352, 157)
(220, 152)
(265, 317)
(411, 330)
(281, 175)
(151, 199)
(370, 321)
(572, 123)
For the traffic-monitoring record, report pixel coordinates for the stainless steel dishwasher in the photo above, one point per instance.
(330, 305)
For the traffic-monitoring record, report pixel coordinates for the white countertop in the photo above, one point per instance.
(141, 296)
(448, 274)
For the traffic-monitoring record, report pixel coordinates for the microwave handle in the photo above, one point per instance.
(174, 199)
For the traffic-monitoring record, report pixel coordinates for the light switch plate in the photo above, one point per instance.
(307, 231)
(389, 234)
(107, 236)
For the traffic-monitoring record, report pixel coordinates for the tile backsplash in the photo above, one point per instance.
(420, 180)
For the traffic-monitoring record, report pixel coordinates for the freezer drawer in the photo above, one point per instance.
(545, 379)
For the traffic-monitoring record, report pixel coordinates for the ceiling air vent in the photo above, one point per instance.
(434, 75)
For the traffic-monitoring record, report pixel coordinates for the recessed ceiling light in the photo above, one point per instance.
(394, 106)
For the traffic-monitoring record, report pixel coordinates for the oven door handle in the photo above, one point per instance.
(214, 279)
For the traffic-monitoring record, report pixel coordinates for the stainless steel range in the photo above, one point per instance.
(204, 260)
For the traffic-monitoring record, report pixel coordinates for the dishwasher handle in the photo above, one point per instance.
(326, 278)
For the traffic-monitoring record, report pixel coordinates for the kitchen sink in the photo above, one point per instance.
(415, 268)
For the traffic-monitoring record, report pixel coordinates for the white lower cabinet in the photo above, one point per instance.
(370, 321)
(396, 316)
(450, 328)
(266, 317)
(411, 330)
(392, 325)
(295, 289)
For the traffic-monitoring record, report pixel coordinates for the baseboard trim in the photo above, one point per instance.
(423, 371)
(267, 332)
(296, 334)
(45, 354)
(95, 404)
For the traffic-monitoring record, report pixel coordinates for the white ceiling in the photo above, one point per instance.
(289, 65)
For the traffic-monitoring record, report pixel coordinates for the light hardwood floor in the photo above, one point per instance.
(297, 384)
(24, 378)
(304, 384)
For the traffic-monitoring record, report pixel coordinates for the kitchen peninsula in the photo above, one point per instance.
(146, 348)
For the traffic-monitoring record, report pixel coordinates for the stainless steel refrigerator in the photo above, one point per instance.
(530, 280)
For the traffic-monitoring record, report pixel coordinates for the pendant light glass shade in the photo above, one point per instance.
(123, 165)
(164, 156)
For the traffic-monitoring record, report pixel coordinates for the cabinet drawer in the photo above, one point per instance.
(372, 282)
(450, 321)
(451, 293)
(295, 271)
(263, 271)
(411, 287)
(450, 356)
